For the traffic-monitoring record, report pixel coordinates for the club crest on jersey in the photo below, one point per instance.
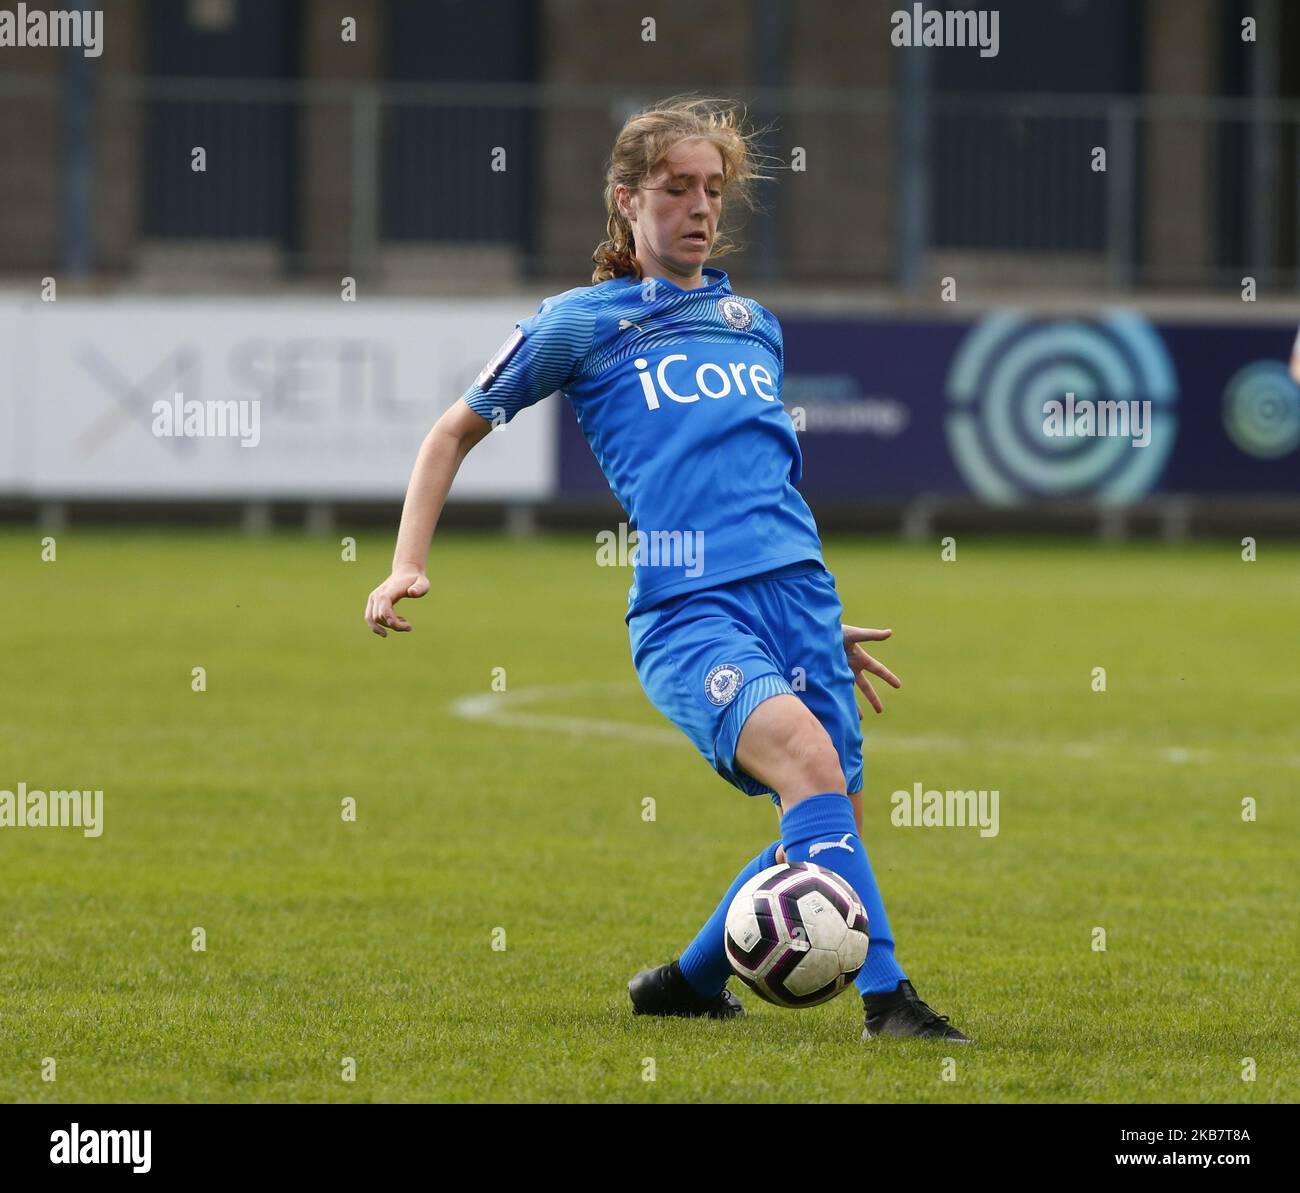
(736, 313)
(723, 682)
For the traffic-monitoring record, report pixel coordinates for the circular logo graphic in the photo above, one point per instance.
(736, 313)
(723, 682)
(1109, 384)
(1261, 410)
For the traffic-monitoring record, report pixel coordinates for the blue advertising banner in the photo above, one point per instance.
(1014, 408)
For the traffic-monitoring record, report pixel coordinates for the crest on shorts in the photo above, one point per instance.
(723, 682)
(736, 313)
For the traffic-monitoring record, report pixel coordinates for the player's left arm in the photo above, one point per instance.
(1295, 360)
(859, 660)
(862, 663)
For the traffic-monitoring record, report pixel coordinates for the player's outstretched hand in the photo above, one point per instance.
(379, 608)
(861, 662)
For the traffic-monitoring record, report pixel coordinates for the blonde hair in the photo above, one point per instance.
(641, 147)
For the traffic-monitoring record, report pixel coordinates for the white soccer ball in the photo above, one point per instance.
(797, 934)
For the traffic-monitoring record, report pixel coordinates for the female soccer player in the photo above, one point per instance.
(733, 618)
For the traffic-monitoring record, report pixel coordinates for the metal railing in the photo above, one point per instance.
(327, 177)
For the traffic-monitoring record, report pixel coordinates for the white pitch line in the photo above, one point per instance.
(501, 708)
(504, 709)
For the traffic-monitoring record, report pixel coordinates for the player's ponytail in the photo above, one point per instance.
(615, 256)
(641, 146)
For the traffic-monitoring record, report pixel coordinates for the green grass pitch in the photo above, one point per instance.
(373, 940)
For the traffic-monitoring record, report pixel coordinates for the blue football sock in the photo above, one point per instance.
(828, 820)
(704, 963)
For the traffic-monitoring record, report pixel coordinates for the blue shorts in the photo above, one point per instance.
(708, 658)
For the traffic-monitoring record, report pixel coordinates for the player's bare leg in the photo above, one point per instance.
(783, 745)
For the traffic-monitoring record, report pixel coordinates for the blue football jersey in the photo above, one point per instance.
(678, 392)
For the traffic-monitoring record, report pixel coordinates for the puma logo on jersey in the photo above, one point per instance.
(842, 843)
(624, 324)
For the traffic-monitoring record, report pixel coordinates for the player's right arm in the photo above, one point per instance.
(441, 453)
(538, 357)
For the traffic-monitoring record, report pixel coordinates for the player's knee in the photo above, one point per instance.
(813, 763)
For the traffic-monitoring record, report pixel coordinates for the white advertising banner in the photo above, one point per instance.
(243, 398)
(10, 367)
